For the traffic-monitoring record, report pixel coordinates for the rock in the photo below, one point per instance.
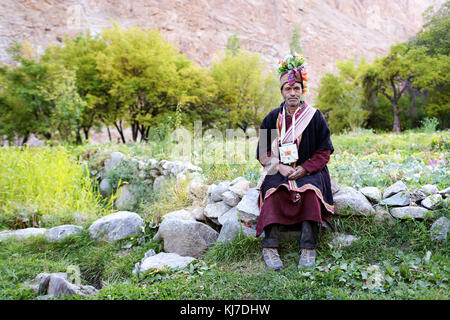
(114, 159)
(159, 182)
(116, 226)
(219, 190)
(371, 193)
(197, 214)
(179, 214)
(60, 232)
(216, 209)
(341, 240)
(445, 193)
(127, 198)
(432, 202)
(231, 198)
(439, 229)
(231, 227)
(382, 214)
(240, 186)
(400, 199)
(56, 285)
(105, 188)
(22, 233)
(429, 189)
(335, 186)
(230, 214)
(410, 211)
(417, 196)
(186, 238)
(349, 201)
(163, 259)
(395, 188)
(248, 206)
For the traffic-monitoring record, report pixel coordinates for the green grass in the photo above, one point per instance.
(234, 270)
(44, 187)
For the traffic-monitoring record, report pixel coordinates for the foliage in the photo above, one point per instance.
(244, 95)
(44, 187)
(67, 106)
(233, 45)
(294, 45)
(78, 55)
(340, 97)
(23, 107)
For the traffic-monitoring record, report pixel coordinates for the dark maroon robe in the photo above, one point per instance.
(289, 202)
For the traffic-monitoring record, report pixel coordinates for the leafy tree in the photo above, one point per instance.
(434, 35)
(245, 94)
(78, 54)
(395, 73)
(141, 67)
(341, 97)
(68, 106)
(23, 107)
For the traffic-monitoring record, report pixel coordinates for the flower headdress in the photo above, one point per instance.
(292, 70)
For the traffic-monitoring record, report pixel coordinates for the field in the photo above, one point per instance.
(47, 186)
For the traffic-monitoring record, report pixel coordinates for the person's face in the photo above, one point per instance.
(292, 94)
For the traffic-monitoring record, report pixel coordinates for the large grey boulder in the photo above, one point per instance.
(216, 209)
(60, 232)
(116, 226)
(127, 198)
(439, 229)
(409, 211)
(395, 188)
(349, 201)
(371, 193)
(22, 233)
(56, 284)
(186, 238)
(432, 202)
(248, 206)
(400, 199)
(162, 259)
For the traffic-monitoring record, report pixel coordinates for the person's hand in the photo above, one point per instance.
(285, 170)
(298, 173)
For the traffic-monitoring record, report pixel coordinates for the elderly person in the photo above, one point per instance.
(294, 147)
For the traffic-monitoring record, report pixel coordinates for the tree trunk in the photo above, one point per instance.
(78, 138)
(120, 130)
(109, 133)
(396, 126)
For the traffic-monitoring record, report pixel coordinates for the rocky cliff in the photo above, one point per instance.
(330, 29)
